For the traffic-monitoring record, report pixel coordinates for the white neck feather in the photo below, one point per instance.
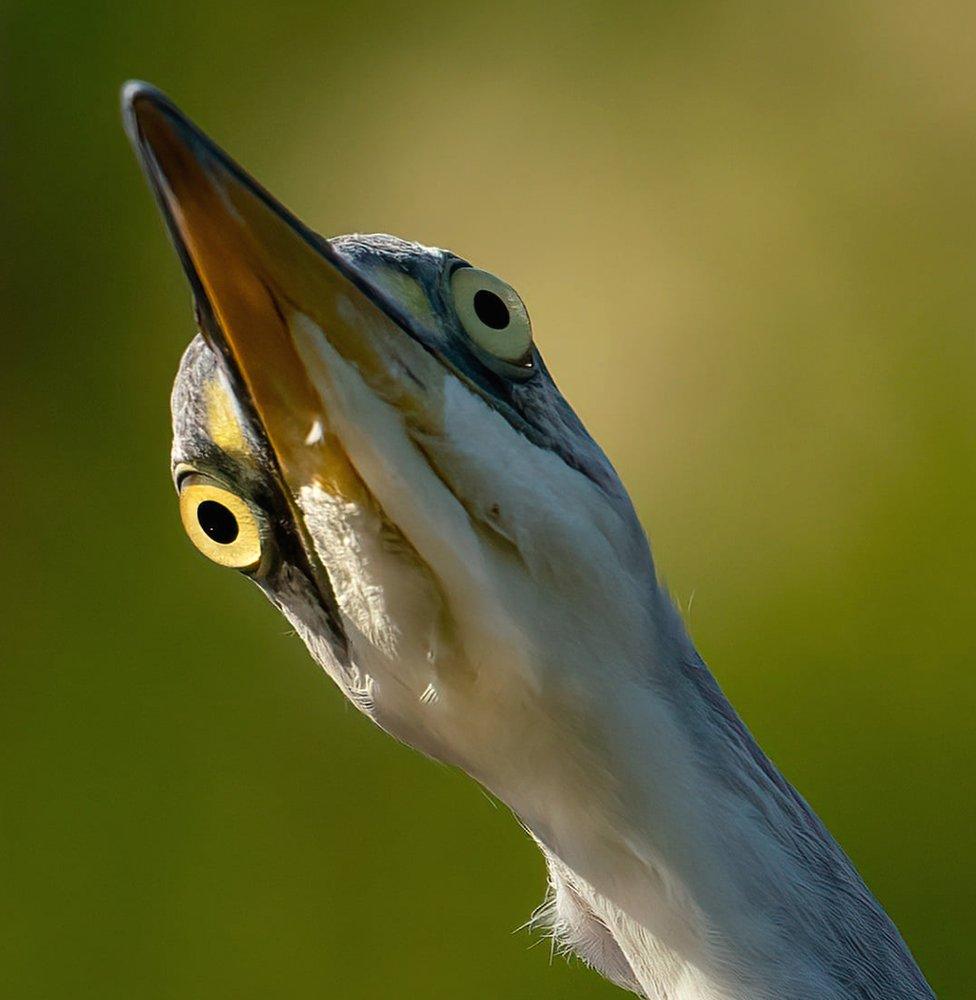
(687, 868)
(683, 865)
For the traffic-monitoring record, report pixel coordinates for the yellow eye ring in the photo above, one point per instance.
(492, 314)
(222, 525)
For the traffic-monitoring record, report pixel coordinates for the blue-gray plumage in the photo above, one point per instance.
(366, 429)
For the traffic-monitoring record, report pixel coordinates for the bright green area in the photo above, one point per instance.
(746, 236)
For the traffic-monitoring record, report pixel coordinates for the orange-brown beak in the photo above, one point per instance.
(253, 266)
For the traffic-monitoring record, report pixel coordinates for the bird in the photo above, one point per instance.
(364, 427)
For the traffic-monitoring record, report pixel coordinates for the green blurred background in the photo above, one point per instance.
(747, 235)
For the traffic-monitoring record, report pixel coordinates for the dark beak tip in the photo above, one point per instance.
(141, 103)
(134, 92)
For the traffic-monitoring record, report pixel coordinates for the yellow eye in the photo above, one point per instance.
(493, 315)
(220, 524)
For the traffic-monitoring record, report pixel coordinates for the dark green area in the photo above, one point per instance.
(746, 236)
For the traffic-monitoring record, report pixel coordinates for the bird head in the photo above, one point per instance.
(365, 427)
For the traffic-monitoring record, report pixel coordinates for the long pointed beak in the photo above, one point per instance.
(252, 265)
(253, 268)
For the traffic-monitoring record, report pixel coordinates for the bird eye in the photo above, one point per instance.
(223, 526)
(493, 315)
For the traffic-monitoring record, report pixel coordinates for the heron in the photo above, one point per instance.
(365, 428)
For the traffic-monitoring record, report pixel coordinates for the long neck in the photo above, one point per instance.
(685, 866)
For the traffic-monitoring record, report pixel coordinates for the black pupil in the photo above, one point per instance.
(217, 521)
(490, 309)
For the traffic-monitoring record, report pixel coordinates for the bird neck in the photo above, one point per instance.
(681, 841)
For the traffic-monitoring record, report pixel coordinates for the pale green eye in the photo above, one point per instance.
(493, 315)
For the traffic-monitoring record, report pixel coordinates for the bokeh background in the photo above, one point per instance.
(747, 235)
